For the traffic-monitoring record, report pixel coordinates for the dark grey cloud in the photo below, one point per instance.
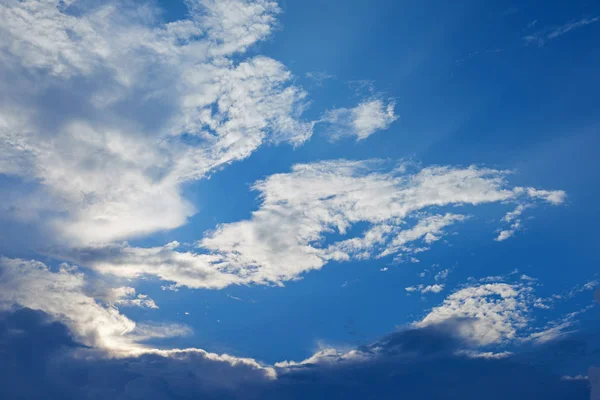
(40, 360)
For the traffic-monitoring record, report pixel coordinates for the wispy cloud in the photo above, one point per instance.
(285, 237)
(361, 121)
(541, 37)
(319, 77)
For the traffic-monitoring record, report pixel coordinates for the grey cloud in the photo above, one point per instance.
(418, 363)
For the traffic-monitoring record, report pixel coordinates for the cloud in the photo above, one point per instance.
(541, 37)
(558, 328)
(499, 313)
(98, 351)
(417, 363)
(108, 110)
(47, 363)
(433, 288)
(436, 288)
(442, 275)
(550, 301)
(125, 296)
(496, 311)
(513, 218)
(361, 121)
(99, 326)
(235, 25)
(64, 295)
(319, 77)
(285, 237)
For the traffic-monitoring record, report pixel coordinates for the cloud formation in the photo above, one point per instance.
(423, 362)
(435, 288)
(66, 295)
(361, 121)
(496, 311)
(107, 110)
(541, 37)
(99, 343)
(500, 313)
(406, 210)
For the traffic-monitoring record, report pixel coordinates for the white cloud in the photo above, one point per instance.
(558, 328)
(62, 294)
(235, 25)
(361, 121)
(507, 233)
(433, 288)
(125, 296)
(574, 378)
(436, 288)
(527, 278)
(513, 218)
(497, 312)
(550, 301)
(541, 37)
(552, 332)
(319, 77)
(442, 275)
(327, 356)
(107, 110)
(286, 236)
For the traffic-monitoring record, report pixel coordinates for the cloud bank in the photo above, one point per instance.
(421, 363)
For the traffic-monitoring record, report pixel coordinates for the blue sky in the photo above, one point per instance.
(295, 180)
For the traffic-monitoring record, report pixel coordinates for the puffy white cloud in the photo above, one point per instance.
(107, 110)
(435, 288)
(125, 296)
(287, 235)
(500, 313)
(496, 312)
(235, 25)
(361, 121)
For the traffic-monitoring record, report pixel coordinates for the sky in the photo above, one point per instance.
(299, 199)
